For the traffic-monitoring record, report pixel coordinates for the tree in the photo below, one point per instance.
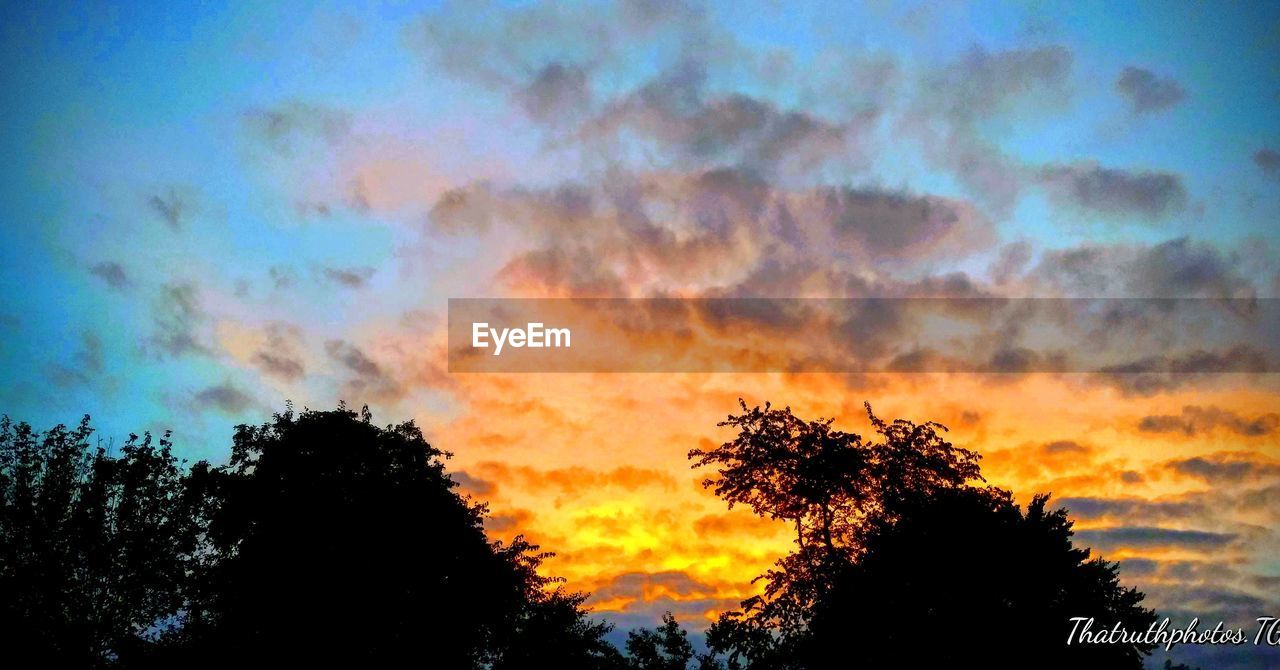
(325, 540)
(966, 574)
(94, 548)
(831, 485)
(666, 648)
(341, 542)
(898, 553)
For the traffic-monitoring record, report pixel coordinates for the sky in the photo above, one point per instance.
(211, 209)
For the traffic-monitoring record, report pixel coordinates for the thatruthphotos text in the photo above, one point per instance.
(1162, 633)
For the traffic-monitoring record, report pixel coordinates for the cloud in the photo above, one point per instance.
(356, 277)
(1148, 537)
(734, 524)
(897, 224)
(1226, 467)
(1011, 262)
(86, 364)
(1114, 192)
(282, 276)
(369, 378)
(171, 207)
(719, 231)
(557, 94)
(1066, 447)
(279, 357)
(1158, 374)
(471, 484)
(1146, 92)
(178, 318)
(1177, 268)
(1268, 159)
(291, 126)
(955, 101)
(225, 398)
(695, 128)
(573, 480)
(1130, 509)
(650, 586)
(983, 83)
(112, 273)
(508, 523)
(1196, 420)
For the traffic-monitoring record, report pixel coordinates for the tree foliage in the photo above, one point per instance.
(900, 555)
(325, 539)
(831, 485)
(94, 547)
(664, 648)
(329, 540)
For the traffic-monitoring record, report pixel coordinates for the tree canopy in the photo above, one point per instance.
(328, 539)
(901, 557)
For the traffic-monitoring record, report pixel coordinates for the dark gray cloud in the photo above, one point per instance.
(1113, 192)
(292, 125)
(1267, 159)
(112, 273)
(355, 277)
(1177, 268)
(472, 484)
(177, 317)
(636, 584)
(1066, 447)
(1133, 509)
(1226, 468)
(368, 379)
(85, 366)
(558, 94)
(697, 128)
(225, 398)
(983, 83)
(279, 357)
(895, 224)
(721, 223)
(1158, 374)
(1110, 539)
(282, 276)
(1011, 262)
(1196, 420)
(1146, 92)
(171, 207)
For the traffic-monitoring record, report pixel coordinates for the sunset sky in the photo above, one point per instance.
(208, 211)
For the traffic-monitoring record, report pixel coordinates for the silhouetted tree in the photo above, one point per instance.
(666, 648)
(94, 548)
(966, 574)
(341, 542)
(325, 540)
(831, 485)
(900, 560)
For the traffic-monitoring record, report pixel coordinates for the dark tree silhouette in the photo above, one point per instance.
(966, 574)
(328, 540)
(831, 485)
(94, 548)
(666, 648)
(342, 542)
(900, 560)
(325, 540)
